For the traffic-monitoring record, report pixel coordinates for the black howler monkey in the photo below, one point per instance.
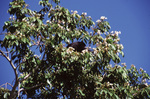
(78, 46)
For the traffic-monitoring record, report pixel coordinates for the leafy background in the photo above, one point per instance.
(131, 17)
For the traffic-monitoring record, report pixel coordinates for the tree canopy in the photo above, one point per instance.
(35, 43)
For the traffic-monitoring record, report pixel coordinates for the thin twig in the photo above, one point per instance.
(6, 84)
(25, 77)
(7, 52)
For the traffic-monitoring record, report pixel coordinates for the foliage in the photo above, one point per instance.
(4, 93)
(45, 68)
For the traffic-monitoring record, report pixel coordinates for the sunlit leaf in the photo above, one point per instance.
(81, 92)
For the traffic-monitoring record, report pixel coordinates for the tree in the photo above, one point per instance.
(45, 68)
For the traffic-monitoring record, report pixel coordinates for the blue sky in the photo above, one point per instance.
(131, 17)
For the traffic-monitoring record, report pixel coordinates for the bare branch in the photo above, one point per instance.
(33, 87)
(10, 84)
(43, 56)
(12, 93)
(20, 91)
(11, 63)
(17, 80)
(6, 85)
(2, 33)
(25, 77)
(7, 52)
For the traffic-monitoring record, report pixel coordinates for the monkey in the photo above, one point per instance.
(78, 46)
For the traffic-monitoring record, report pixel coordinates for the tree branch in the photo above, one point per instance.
(25, 77)
(17, 80)
(11, 63)
(33, 87)
(12, 93)
(6, 85)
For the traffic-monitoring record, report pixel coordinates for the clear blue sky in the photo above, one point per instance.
(131, 17)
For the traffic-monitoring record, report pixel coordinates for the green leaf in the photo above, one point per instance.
(6, 95)
(81, 92)
(41, 49)
(112, 55)
(17, 43)
(110, 41)
(56, 1)
(110, 94)
(113, 47)
(64, 69)
(16, 6)
(99, 55)
(97, 94)
(122, 53)
(103, 91)
(24, 40)
(117, 59)
(124, 74)
(15, 25)
(49, 83)
(13, 37)
(7, 37)
(116, 97)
